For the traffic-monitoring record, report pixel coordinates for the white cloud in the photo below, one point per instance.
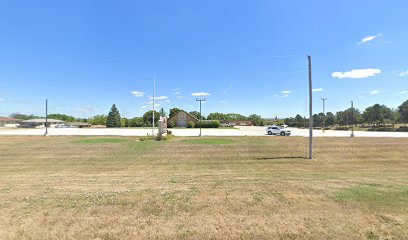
(159, 98)
(167, 100)
(200, 94)
(137, 93)
(2, 99)
(404, 74)
(357, 73)
(317, 90)
(180, 97)
(286, 95)
(369, 38)
(286, 92)
(404, 92)
(86, 109)
(143, 107)
(177, 93)
(374, 92)
(275, 95)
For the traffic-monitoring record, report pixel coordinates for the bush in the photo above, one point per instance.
(209, 124)
(190, 124)
(171, 124)
(168, 137)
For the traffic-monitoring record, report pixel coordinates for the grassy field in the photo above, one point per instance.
(210, 188)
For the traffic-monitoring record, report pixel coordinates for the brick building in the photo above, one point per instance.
(181, 118)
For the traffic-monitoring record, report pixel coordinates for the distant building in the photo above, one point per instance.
(237, 123)
(181, 119)
(8, 122)
(80, 124)
(40, 123)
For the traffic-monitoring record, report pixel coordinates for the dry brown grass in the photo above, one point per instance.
(233, 188)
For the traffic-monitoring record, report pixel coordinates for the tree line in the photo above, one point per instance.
(375, 116)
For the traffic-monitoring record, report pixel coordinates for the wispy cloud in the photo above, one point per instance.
(357, 73)
(137, 93)
(403, 92)
(86, 109)
(159, 98)
(286, 91)
(180, 97)
(177, 93)
(369, 38)
(374, 92)
(200, 94)
(317, 90)
(275, 95)
(286, 95)
(167, 100)
(403, 74)
(2, 99)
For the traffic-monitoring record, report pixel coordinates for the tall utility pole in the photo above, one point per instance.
(154, 96)
(324, 113)
(200, 100)
(46, 117)
(352, 119)
(309, 58)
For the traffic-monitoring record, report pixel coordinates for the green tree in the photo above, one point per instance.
(98, 120)
(378, 114)
(162, 112)
(148, 117)
(256, 120)
(217, 116)
(196, 114)
(403, 112)
(136, 122)
(23, 116)
(330, 119)
(173, 112)
(62, 117)
(113, 120)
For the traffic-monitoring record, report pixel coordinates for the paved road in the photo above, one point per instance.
(241, 131)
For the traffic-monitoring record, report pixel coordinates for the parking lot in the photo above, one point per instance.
(238, 131)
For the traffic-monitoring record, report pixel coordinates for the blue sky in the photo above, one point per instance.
(249, 56)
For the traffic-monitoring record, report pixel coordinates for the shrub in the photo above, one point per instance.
(168, 137)
(172, 124)
(209, 124)
(190, 124)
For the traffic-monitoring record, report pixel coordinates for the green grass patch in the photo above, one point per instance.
(376, 196)
(100, 140)
(213, 141)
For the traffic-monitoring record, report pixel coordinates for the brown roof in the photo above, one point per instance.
(8, 119)
(185, 112)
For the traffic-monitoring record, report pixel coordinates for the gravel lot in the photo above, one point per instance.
(241, 131)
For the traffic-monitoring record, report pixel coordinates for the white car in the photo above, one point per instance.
(276, 130)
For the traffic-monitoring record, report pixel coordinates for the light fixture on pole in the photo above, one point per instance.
(324, 114)
(200, 100)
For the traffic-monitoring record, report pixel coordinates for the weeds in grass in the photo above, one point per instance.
(100, 140)
(211, 141)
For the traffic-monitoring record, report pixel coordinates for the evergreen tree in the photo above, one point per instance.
(113, 119)
(162, 112)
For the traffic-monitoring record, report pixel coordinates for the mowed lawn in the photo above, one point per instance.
(209, 188)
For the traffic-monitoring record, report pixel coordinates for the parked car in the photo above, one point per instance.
(276, 130)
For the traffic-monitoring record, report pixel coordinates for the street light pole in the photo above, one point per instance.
(324, 114)
(352, 119)
(309, 58)
(46, 117)
(200, 100)
(154, 93)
